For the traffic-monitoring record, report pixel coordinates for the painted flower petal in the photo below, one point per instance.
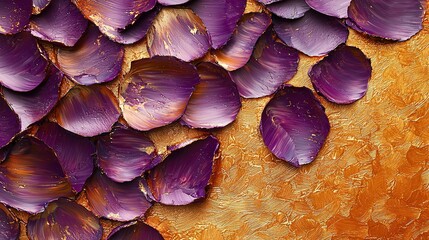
(183, 176)
(10, 124)
(60, 22)
(390, 19)
(14, 15)
(237, 52)
(215, 101)
(156, 91)
(125, 154)
(94, 58)
(314, 34)
(22, 65)
(172, 2)
(271, 64)
(64, 219)
(39, 5)
(220, 17)
(135, 231)
(77, 165)
(88, 111)
(116, 201)
(9, 226)
(266, 2)
(342, 77)
(34, 105)
(289, 9)
(31, 176)
(335, 8)
(294, 125)
(171, 27)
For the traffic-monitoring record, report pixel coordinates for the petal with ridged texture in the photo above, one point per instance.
(335, 8)
(10, 125)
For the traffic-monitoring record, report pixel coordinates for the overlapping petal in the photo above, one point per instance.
(10, 125)
(289, 9)
(135, 231)
(172, 2)
(14, 15)
(39, 5)
(335, 8)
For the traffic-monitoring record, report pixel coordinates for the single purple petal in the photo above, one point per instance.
(215, 101)
(116, 201)
(183, 176)
(294, 125)
(342, 77)
(60, 22)
(14, 15)
(31, 176)
(171, 27)
(335, 8)
(10, 124)
(88, 111)
(9, 226)
(39, 5)
(220, 18)
(172, 2)
(94, 58)
(237, 52)
(289, 9)
(64, 219)
(271, 64)
(34, 105)
(75, 153)
(135, 231)
(156, 91)
(314, 34)
(390, 19)
(125, 154)
(22, 65)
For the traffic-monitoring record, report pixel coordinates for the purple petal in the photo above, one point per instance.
(9, 226)
(39, 5)
(390, 19)
(64, 219)
(215, 101)
(172, 2)
(94, 58)
(10, 124)
(116, 201)
(271, 64)
(125, 154)
(22, 65)
(171, 27)
(237, 52)
(14, 15)
(294, 125)
(135, 231)
(342, 77)
(220, 17)
(289, 9)
(34, 105)
(156, 91)
(183, 176)
(335, 8)
(266, 2)
(314, 34)
(60, 22)
(77, 165)
(88, 111)
(31, 176)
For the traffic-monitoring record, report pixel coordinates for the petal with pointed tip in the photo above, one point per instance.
(14, 15)
(10, 124)
(9, 226)
(289, 9)
(39, 5)
(135, 231)
(335, 8)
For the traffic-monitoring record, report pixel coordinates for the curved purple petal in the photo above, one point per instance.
(125, 154)
(10, 124)
(271, 64)
(183, 176)
(390, 19)
(22, 65)
(14, 15)
(39, 5)
(294, 125)
(171, 27)
(314, 34)
(9, 226)
(289, 9)
(60, 22)
(88, 111)
(156, 91)
(342, 77)
(237, 52)
(75, 153)
(172, 2)
(215, 101)
(135, 231)
(220, 17)
(335, 8)
(116, 201)
(64, 219)
(31, 176)
(34, 105)
(94, 58)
